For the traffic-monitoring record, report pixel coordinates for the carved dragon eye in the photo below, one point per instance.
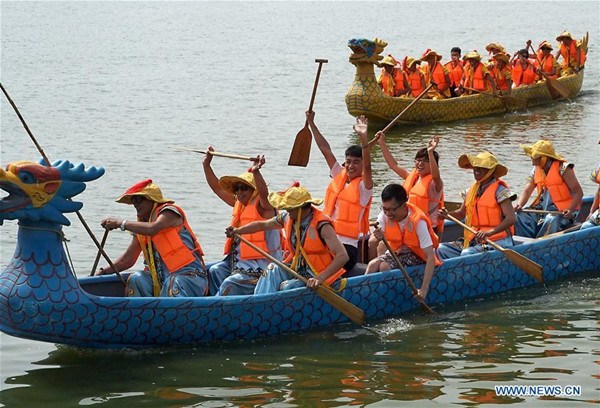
(26, 177)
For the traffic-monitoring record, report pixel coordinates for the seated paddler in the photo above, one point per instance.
(558, 193)
(314, 249)
(486, 208)
(172, 255)
(410, 234)
(247, 194)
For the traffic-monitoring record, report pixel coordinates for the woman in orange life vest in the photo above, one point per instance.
(238, 273)
(476, 76)
(486, 208)
(570, 50)
(593, 219)
(523, 70)
(409, 232)
(348, 195)
(557, 189)
(391, 80)
(315, 250)
(455, 69)
(501, 73)
(414, 76)
(423, 184)
(436, 73)
(172, 254)
(549, 65)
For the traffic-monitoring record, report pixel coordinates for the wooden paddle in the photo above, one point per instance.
(559, 233)
(354, 313)
(534, 211)
(301, 149)
(104, 237)
(556, 89)
(219, 154)
(413, 288)
(533, 269)
(517, 103)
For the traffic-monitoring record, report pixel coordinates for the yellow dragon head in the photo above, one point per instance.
(366, 51)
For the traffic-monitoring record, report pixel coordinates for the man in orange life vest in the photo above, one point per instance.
(476, 76)
(486, 208)
(570, 50)
(348, 195)
(408, 231)
(172, 254)
(315, 251)
(247, 194)
(455, 69)
(523, 71)
(501, 73)
(593, 219)
(391, 80)
(557, 189)
(414, 77)
(423, 184)
(436, 73)
(549, 65)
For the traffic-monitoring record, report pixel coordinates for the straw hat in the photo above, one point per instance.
(429, 52)
(472, 55)
(485, 160)
(387, 60)
(494, 46)
(545, 44)
(564, 34)
(409, 62)
(541, 148)
(294, 197)
(228, 183)
(501, 56)
(146, 189)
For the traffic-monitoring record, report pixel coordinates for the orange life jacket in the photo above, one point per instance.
(318, 254)
(171, 248)
(500, 77)
(548, 63)
(409, 238)
(475, 78)
(522, 76)
(418, 194)
(389, 86)
(347, 197)
(437, 74)
(242, 215)
(570, 55)
(558, 189)
(414, 81)
(455, 72)
(487, 213)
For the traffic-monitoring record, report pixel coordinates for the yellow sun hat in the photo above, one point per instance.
(409, 62)
(228, 183)
(387, 60)
(494, 46)
(485, 160)
(429, 52)
(545, 44)
(472, 55)
(145, 188)
(501, 56)
(541, 148)
(564, 34)
(294, 197)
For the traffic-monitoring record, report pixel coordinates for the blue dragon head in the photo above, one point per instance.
(366, 51)
(37, 192)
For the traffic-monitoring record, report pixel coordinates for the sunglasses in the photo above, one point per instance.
(241, 187)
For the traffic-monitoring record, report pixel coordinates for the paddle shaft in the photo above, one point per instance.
(534, 211)
(37, 145)
(303, 279)
(397, 118)
(104, 237)
(219, 154)
(472, 231)
(314, 91)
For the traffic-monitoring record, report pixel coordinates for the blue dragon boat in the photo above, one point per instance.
(41, 298)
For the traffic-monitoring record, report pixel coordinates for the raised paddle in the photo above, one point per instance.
(219, 154)
(354, 313)
(301, 149)
(517, 103)
(104, 237)
(397, 118)
(413, 288)
(533, 269)
(556, 89)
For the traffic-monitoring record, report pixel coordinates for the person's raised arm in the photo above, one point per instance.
(125, 261)
(340, 256)
(575, 189)
(322, 143)
(360, 127)
(435, 170)
(265, 207)
(389, 158)
(213, 180)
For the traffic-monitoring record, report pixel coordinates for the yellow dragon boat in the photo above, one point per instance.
(365, 97)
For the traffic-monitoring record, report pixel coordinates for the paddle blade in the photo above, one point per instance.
(354, 313)
(555, 87)
(301, 149)
(514, 102)
(533, 269)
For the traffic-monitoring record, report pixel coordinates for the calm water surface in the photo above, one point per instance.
(119, 84)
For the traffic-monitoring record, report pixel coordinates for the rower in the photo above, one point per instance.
(523, 70)
(486, 208)
(501, 73)
(557, 190)
(572, 54)
(414, 76)
(455, 70)
(549, 66)
(391, 80)
(436, 73)
(476, 76)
